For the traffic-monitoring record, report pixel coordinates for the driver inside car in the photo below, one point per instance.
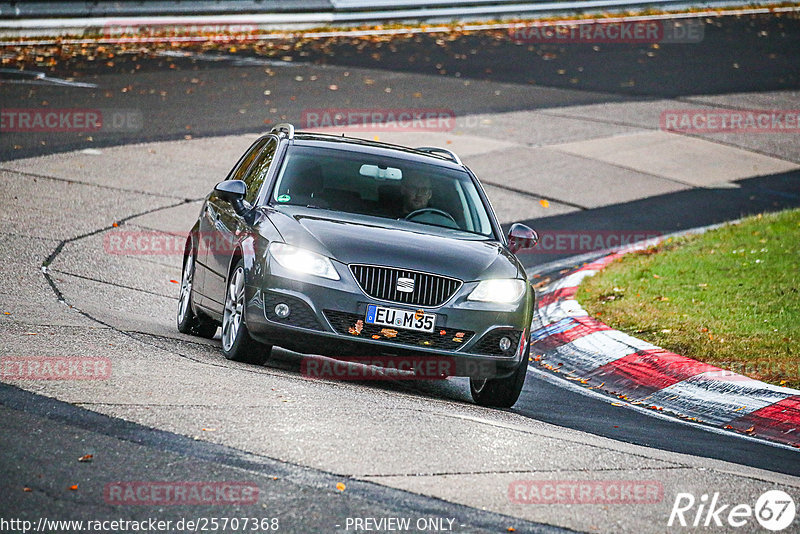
(416, 192)
(414, 203)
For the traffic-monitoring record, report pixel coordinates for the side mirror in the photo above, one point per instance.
(521, 237)
(233, 191)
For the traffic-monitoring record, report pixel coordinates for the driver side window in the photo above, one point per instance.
(259, 170)
(237, 173)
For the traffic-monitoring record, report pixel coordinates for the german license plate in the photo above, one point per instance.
(397, 318)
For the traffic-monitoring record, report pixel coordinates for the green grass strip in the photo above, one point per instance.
(729, 297)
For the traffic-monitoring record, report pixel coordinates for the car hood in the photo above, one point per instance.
(351, 238)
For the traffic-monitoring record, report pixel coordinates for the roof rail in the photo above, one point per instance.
(283, 127)
(443, 151)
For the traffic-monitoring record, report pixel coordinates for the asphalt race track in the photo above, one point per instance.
(560, 155)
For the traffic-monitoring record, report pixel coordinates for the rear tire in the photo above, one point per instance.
(237, 344)
(500, 392)
(189, 321)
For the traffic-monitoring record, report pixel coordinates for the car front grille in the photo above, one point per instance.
(382, 283)
(441, 338)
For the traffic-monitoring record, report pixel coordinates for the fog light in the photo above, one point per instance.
(505, 344)
(282, 311)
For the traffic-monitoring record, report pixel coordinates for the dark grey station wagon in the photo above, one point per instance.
(344, 247)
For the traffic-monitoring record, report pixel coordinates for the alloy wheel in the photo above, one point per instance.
(234, 308)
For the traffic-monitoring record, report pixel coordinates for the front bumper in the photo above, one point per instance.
(326, 317)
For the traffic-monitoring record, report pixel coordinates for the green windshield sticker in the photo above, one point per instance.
(284, 198)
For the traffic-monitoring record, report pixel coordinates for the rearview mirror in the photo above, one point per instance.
(388, 173)
(521, 237)
(233, 191)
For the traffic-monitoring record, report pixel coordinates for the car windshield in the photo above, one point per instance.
(381, 186)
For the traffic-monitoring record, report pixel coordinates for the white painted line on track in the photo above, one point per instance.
(29, 77)
(236, 61)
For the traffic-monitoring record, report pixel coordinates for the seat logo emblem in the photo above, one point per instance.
(405, 285)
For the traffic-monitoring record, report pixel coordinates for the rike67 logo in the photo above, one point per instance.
(774, 510)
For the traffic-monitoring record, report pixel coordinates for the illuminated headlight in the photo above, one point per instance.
(303, 261)
(500, 291)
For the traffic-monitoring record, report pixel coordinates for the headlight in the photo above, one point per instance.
(502, 291)
(303, 261)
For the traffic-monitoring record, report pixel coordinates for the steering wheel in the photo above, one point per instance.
(418, 212)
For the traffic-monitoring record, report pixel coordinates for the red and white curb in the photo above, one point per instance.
(583, 349)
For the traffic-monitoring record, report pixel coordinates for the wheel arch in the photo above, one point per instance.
(245, 251)
(191, 242)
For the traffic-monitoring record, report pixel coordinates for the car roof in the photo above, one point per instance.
(353, 144)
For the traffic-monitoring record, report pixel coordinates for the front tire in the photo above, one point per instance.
(237, 344)
(500, 392)
(189, 322)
